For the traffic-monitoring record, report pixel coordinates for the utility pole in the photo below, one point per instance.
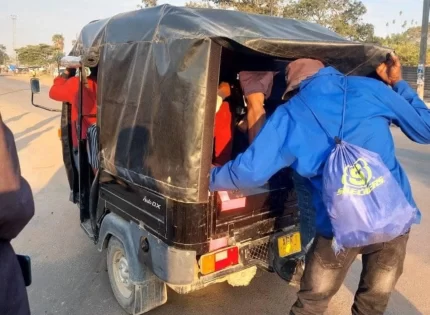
(14, 17)
(423, 49)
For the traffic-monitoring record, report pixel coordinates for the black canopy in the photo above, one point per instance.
(157, 80)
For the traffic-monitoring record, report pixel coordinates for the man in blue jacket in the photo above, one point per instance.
(292, 137)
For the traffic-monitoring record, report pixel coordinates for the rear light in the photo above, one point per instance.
(219, 260)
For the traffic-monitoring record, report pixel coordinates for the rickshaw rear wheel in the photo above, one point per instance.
(119, 275)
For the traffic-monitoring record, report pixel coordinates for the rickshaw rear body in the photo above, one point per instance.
(158, 74)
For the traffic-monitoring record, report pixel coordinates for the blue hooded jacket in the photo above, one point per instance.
(292, 137)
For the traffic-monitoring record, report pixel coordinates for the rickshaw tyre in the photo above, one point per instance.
(127, 303)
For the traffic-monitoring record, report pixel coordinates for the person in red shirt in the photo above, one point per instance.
(223, 144)
(66, 89)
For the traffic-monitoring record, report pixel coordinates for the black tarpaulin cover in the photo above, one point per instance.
(157, 92)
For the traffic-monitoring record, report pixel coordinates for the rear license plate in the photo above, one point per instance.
(289, 244)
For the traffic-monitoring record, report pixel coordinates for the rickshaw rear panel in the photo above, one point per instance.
(192, 226)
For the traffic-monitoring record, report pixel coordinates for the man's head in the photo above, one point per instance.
(299, 70)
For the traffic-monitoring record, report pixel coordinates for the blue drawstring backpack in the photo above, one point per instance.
(364, 201)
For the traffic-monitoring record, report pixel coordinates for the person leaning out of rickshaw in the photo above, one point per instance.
(66, 89)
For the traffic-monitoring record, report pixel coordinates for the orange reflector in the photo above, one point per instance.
(207, 264)
(219, 260)
(59, 133)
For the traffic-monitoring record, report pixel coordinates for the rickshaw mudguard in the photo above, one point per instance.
(147, 254)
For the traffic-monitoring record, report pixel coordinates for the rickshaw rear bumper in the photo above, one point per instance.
(149, 255)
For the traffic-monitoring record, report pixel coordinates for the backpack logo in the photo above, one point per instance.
(357, 179)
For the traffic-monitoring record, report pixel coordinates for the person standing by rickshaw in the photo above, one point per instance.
(320, 100)
(16, 210)
(66, 89)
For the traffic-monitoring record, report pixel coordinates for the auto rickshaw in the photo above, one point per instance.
(149, 203)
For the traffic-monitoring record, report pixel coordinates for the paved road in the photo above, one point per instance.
(70, 274)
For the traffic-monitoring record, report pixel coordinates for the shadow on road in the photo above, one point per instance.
(36, 126)
(23, 142)
(398, 304)
(15, 118)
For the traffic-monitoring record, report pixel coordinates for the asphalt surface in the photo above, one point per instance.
(69, 274)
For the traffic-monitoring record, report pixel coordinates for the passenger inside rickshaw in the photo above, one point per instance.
(251, 88)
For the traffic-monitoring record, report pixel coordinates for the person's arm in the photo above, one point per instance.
(64, 90)
(267, 154)
(410, 113)
(256, 115)
(16, 199)
(256, 87)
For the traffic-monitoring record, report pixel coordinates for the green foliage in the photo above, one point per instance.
(406, 44)
(3, 55)
(199, 4)
(58, 41)
(37, 55)
(407, 48)
(345, 17)
(147, 4)
(269, 7)
(342, 16)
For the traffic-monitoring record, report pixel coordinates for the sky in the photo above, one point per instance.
(38, 20)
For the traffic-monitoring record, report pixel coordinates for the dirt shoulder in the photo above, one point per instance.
(44, 80)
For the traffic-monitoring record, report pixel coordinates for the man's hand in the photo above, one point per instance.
(390, 71)
(224, 90)
(69, 73)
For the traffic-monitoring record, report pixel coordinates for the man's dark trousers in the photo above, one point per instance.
(325, 273)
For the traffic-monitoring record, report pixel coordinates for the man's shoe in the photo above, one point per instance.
(292, 271)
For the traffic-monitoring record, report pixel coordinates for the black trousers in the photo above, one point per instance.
(325, 272)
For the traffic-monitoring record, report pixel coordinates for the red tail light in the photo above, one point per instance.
(219, 260)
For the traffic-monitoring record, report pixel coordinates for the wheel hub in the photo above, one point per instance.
(122, 274)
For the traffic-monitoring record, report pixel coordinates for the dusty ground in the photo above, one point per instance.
(44, 79)
(69, 274)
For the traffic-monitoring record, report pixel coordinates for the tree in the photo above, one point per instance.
(406, 43)
(147, 4)
(58, 44)
(270, 7)
(199, 4)
(37, 55)
(58, 41)
(413, 34)
(345, 17)
(3, 55)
